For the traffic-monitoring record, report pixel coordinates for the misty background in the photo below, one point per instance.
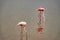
(14, 11)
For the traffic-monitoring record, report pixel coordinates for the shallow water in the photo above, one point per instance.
(14, 11)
